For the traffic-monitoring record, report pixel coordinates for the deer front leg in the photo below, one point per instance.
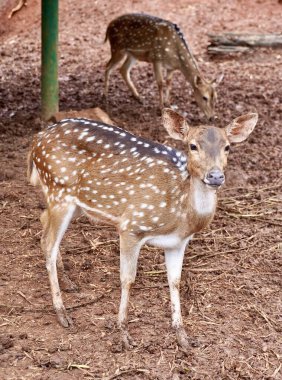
(160, 81)
(174, 260)
(168, 86)
(129, 252)
(56, 222)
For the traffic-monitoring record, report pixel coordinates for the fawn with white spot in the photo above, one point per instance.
(151, 39)
(152, 193)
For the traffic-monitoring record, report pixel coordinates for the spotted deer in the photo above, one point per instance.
(151, 39)
(152, 193)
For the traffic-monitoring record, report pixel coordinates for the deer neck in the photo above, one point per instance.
(202, 199)
(188, 65)
(198, 205)
(190, 71)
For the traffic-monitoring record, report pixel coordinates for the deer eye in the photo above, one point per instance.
(227, 148)
(193, 147)
(205, 98)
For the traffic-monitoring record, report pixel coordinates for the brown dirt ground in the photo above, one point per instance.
(231, 284)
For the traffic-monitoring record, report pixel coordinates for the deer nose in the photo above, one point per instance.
(215, 177)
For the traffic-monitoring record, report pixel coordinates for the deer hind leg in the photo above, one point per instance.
(129, 252)
(125, 72)
(168, 86)
(66, 284)
(160, 81)
(117, 57)
(174, 260)
(55, 221)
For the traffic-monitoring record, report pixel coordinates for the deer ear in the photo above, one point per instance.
(175, 124)
(217, 80)
(241, 127)
(197, 80)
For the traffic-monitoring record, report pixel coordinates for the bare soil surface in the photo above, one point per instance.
(231, 283)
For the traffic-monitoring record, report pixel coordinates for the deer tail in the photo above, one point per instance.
(32, 173)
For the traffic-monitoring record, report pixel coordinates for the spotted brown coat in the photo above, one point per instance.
(152, 193)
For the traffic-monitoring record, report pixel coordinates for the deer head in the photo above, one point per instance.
(208, 146)
(205, 94)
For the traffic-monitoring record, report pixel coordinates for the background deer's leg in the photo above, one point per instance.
(55, 222)
(174, 260)
(160, 81)
(129, 252)
(125, 72)
(168, 86)
(117, 57)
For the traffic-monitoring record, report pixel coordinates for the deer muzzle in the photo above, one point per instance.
(215, 177)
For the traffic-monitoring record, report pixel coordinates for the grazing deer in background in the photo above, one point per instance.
(160, 42)
(152, 193)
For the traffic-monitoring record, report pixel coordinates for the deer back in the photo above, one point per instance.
(151, 39)
(110, 172)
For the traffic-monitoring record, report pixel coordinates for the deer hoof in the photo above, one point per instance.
(159, 111)
(127, 342)
(138, 98)
(64, 319)
(104, 97)
(182, 339)
(167, 103)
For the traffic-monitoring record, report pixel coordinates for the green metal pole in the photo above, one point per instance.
(49, 59)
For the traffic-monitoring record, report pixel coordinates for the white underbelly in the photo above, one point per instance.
(165, 241)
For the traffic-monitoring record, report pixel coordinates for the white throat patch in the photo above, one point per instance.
(203, 200)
